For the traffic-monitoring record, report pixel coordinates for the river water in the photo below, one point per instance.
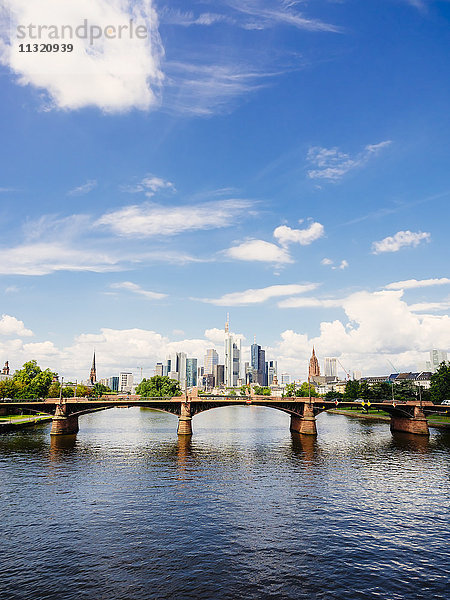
(245, 509)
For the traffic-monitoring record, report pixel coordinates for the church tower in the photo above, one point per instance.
(314, 369)
(93, 374)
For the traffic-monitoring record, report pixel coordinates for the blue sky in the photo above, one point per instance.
(286, 162)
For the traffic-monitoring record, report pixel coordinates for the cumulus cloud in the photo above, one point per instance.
(332, 164)
(259, 295)
(150, 185)
(285, 235)
(377, 326)
(260, 251)
(330, 263)
(402, 239)
(409, 284)
(111, 74)
(41, 349)
(147, 220)
(342, 265)
(11, 326)
(137, 289)
(374, 327)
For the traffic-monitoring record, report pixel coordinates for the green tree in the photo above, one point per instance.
(365, 391)
(262, 391)
(82, 391)
(440, 383)
(333, 396)
(351, 390)
(10, 389)
(33, 381)
(98, 390)
(243, 390)
(305, 390)
(158, 386)
(382, 391)
(405, 391)
(289, 390)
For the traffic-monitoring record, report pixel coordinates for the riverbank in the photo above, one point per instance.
(432, 421)
(13, 422)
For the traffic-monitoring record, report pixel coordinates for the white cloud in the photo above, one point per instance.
(11, 326)
(256, 296)
(150, 185)
(401, 239)
(419, 4)
(264, 14)
(172, 16)
(309, 303)
(43, 258)
(429, 306)
(377, 326)
(259, 250)
(332, 164)
(148, 220)
(285, 235)
(83, 189)
(41, 349)
(202, 89)
(330, 263)
(11, 289)
(409, 284)
(136, 289)
(111, 74)
(342, 265)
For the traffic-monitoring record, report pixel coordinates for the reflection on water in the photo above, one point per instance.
(244, 508)
(305, 445)
(61, 443)
(410, 442)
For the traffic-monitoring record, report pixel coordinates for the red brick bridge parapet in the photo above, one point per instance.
(408, 417)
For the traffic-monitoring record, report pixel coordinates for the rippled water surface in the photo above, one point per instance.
(245, 509)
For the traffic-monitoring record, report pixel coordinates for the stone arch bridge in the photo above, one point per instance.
(408, 417)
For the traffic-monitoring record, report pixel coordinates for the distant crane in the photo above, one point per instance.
(393, 366)
(347, 374)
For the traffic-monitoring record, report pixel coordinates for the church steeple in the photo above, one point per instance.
(314, 369)
(93, 374)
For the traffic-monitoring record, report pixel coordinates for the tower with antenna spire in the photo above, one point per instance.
(232, 357)
(93, 373)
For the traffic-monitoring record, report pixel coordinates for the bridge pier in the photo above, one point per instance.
(416, 424)
(185, 420)
(306, 423)
(62, 423)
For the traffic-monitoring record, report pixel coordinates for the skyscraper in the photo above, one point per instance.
(272, 371)
(218, 373)
(211, 359)
(191, 372)
(436, 358)
(330, 367)
(258, 361)
(232, 357)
